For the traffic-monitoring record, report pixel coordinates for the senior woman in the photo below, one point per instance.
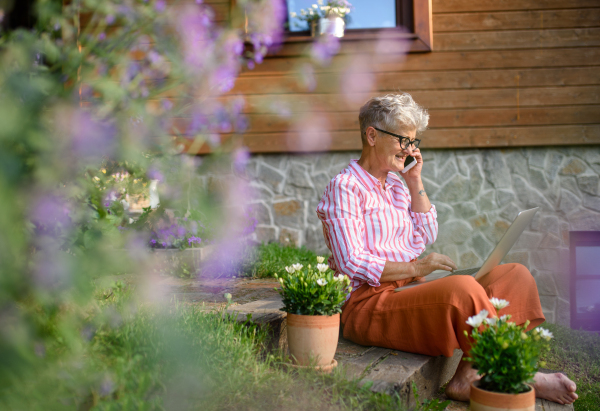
(376, 226)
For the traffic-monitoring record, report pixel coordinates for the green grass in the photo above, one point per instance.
(577, 354)
(177, 358)
(272, 258)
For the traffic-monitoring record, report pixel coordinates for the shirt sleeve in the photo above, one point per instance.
(340, 212)
(425, 224)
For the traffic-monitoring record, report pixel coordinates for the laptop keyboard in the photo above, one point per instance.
(466, 271)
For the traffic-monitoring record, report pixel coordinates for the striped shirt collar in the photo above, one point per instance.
(367, 179)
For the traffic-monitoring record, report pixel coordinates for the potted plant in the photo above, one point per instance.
(325, 18)
(313, 299)
(507, 359)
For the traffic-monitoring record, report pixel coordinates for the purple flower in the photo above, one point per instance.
(92, 139)
(194, 239)
(107, 387)
(241, 124)
(241, 157)
(50, 212)
(155, 174)
(101, 36)
(166, 104)
(153, 241)
(110, 19)
(160, 6)
(198, 122)
(325, 48)
(198, 44)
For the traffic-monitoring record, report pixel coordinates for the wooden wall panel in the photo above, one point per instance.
(517, 20)
(437, 61)
(457, 6)
(436, 138)
(502, 73)
(428, 80)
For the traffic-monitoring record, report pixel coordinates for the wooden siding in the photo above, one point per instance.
(502, 73)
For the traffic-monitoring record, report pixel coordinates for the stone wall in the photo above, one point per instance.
(477, 193)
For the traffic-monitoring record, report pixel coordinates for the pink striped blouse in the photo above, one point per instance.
(365, 225)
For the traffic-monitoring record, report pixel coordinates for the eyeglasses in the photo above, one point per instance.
(404, 141)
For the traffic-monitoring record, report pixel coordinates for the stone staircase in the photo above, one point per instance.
(388, 371)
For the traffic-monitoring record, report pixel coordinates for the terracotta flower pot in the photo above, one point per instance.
(313, 339)
(482, 400)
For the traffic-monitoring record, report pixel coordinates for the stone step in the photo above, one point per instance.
(387, 371)
(267, 314)
(391, 371)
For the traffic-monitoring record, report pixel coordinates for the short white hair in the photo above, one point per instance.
(392, 111)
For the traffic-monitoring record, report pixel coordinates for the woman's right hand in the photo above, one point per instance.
(432, 262)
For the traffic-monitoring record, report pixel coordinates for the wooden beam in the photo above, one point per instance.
(497, 137)
(518, 39)
(431, 99)
(455, 6)
(496, 117)
(516, 20)
(330, 83)
(442, 61)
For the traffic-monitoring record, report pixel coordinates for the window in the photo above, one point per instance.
(585, 280)
(369, 18)
(366, 14)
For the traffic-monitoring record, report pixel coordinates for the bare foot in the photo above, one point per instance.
(459, 387)
(555, 387)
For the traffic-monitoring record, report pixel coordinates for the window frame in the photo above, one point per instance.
(415, 16)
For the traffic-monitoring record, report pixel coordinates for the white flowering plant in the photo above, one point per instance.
(502, 352)
(313, 290)
(333, 8)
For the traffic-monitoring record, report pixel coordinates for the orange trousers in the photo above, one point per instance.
(430, 318)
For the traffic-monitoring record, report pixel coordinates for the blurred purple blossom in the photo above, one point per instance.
(241, 156)
(193, 239)
(224, 77)
(101, 36)
(241, 124)
(199, 122)
(50, 212)
(110, 19)
(52, 270)
(166, 104)
(198, 44)
(92, 139)
(307, 77)
(155, 174)
(160, 5)
(107, 387)
(325, 48)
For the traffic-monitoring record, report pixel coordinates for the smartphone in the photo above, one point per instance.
(409, 163)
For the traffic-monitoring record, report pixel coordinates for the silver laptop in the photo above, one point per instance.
(498, 253)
